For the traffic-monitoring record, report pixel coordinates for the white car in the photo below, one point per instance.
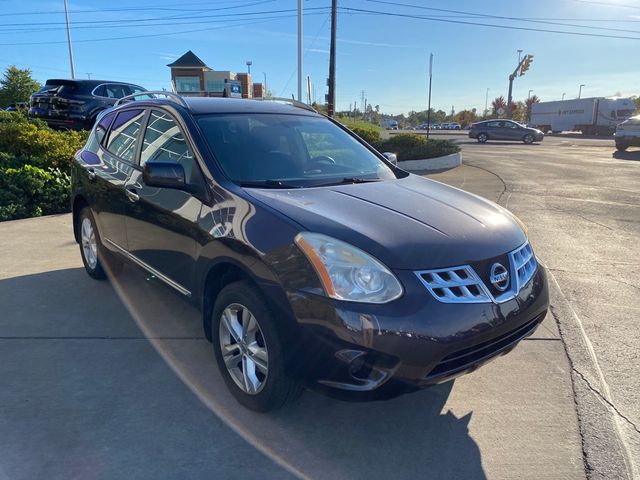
(628, 133)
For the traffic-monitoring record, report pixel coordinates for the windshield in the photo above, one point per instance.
(625, 113)
(288, 151)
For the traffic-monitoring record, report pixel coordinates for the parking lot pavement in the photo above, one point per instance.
(115, 381)
(581, 202)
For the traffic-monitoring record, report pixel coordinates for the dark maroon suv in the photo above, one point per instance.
(314, 260)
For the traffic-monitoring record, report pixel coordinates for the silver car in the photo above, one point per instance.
(504, 130)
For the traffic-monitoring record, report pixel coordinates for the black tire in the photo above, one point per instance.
(92, 265)
(621, 146)
(482, 138)
(279, 386)
(528, 139)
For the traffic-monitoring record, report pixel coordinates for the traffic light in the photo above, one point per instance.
(526, 63)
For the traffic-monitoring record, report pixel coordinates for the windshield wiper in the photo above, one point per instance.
(346, 180)
(268, 184)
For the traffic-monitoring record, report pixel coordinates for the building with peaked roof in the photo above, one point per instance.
(190, 76)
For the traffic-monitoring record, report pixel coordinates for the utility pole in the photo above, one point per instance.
(429, 103)
(529, 94)
(519, 55)
(362, 102)
(299, 50)
(309, 89)
(265, 83)
(331, 104)
(523, 66)
(89, 75)
(66, 16)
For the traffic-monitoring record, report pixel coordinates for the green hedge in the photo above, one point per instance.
(410, 146)
(35, 162)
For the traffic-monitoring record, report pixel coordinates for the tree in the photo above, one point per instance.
(17, 85)
(519, 112)
(497, 104)
(529, 103)
(465, 117)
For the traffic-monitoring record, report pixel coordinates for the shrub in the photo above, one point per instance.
(410, 146)
(368, 132)
(29, 191)
(43, 146)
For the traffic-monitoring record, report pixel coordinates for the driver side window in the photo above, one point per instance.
(163, 141)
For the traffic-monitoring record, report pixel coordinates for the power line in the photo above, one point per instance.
(506, 27)
(159, 34)
(165, 7)
(155, 19)
(502, 17)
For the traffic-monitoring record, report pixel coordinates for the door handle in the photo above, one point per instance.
(132, 195)
(91, 173)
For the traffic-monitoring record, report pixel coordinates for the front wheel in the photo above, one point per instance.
(249, 349)
(482, 138)
(528, 139)
(621, 146)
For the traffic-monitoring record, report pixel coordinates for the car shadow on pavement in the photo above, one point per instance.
(413, 436)
(626, 155)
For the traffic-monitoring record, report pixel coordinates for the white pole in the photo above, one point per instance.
(299, 50)
(66, 16)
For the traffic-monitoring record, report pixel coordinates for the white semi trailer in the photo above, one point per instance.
(592, 116)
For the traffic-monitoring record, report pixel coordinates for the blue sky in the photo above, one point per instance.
(386, 56)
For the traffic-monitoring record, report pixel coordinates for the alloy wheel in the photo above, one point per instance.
(89, 245)
(243, 348)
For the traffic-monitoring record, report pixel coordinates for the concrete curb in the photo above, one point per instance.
(437, 163)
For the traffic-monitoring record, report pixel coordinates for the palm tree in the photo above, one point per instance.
(498, 103)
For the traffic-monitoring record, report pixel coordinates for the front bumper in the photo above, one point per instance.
(414, 341)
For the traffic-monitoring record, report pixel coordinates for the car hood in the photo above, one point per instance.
(410, 223)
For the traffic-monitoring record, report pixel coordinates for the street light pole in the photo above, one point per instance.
(265, 83)
(429, 104)
(563, 94)
(529, 94)
(580, 90)
(66, 16)
(519, 55)
(299, 50)
(486, 104)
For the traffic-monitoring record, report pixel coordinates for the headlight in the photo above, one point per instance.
(348, 273)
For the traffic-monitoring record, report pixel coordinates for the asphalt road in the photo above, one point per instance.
(581, 201)
(114, 380)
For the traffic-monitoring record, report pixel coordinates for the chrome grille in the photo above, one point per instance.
(455, 285)
(524, 264)
(463, 285)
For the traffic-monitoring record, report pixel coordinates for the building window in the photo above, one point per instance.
(215, 85)
(188, 84)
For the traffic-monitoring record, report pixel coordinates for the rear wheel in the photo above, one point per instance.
(249, 349)
(482, 138)
(89, 245)
(528, 139)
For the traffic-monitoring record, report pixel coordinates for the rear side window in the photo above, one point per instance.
(115, 90)
(98, 134)
(123, 137)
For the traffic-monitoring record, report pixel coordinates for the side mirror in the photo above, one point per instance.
(164, 175)
(392, 157)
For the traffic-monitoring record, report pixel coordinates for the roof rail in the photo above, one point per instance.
(290, 101)
(170, 95)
